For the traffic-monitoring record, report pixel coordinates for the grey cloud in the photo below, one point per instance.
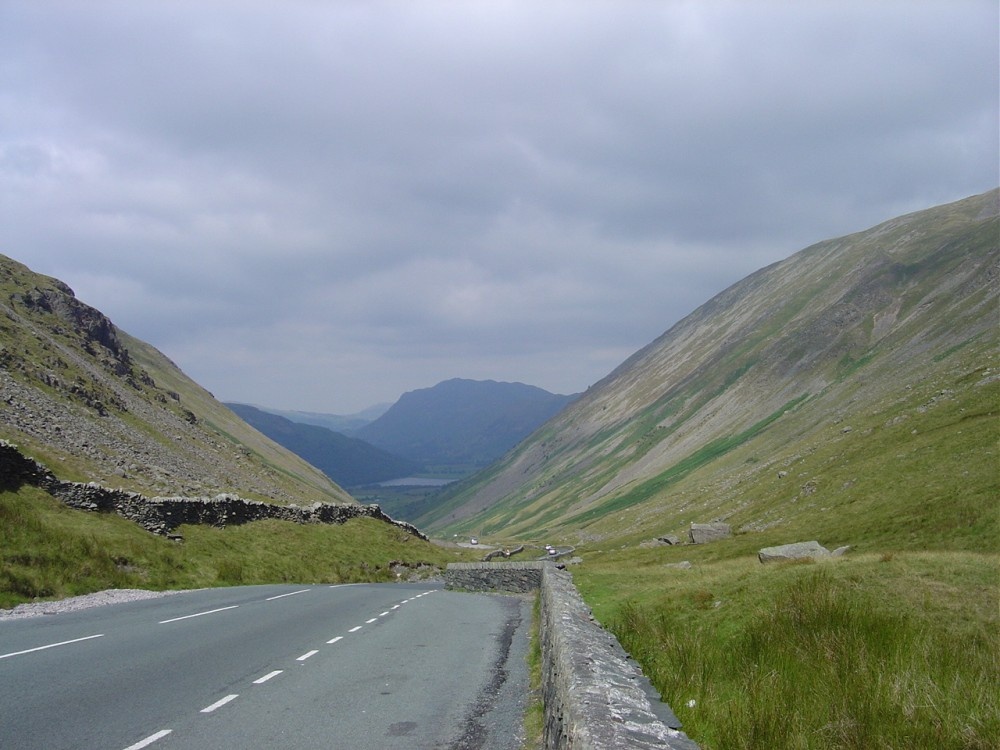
(377, 194)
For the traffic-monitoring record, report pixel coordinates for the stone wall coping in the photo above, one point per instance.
(522, 565)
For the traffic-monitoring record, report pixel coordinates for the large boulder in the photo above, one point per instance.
(701, 533)
(791, 552)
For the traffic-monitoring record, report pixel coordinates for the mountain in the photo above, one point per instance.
(462, 421)
(854, 384)
(345, 424)
(348, 461)
(95, 404)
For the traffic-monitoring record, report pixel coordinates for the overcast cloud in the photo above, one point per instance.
(321, 205)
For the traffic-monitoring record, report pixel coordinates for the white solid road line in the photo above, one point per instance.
(149, 740)
(219, 703)
(265, 678)
(51, 645)
(282, 596)
(198, 614)
(307, 655)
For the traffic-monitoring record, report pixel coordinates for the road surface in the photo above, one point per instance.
(353, 667)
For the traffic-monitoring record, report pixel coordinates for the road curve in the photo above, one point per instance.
(357, 667)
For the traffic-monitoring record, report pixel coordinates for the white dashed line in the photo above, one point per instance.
(334, 640)
(307, 655)
(265, 678)
(355, 629)
(369, 622)
(219, 703)
(282, 596)
(51, 645)
(394, 606)
(199, 614)
(149, 740)
(384, 613)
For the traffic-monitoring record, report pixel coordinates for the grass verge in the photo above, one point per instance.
(900, 650)
(49, 551)
(534, 716)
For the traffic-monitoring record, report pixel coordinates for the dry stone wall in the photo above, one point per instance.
(162, 515)
(514, 577)
(595, 697)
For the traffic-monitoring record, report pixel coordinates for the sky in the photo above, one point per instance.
(322, 205)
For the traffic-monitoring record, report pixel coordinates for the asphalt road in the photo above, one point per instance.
(356, 667)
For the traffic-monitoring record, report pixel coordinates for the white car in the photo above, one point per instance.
(473, 541)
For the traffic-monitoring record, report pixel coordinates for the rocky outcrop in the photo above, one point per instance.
(162, 515)
(115, 410)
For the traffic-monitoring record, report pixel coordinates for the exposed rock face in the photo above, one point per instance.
(112, 409)
(791, 552)
(702, 533)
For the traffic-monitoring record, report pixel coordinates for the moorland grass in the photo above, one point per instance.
(899, 650)
(49, 551)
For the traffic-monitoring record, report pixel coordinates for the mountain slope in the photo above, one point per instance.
(345, 424)
(854, 347)
(462, 421)
(348, 461)
(95, 404)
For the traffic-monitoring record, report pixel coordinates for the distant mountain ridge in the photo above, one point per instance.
(881, 336)
(345, 424)
(461, 421)
(348, 461)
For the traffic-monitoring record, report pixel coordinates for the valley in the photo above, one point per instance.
(849, 394)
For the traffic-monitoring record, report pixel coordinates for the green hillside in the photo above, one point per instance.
(850, 395)
(852, 387)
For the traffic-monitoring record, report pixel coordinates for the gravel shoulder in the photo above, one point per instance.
(76, 603)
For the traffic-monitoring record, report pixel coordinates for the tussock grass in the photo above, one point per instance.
(899, 651)
(49, 551)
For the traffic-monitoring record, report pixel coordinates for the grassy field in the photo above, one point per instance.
(894, 650)
(50, 551)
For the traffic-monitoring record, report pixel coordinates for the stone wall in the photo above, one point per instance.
(515, 577)
(161, 515)
(595, 697)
